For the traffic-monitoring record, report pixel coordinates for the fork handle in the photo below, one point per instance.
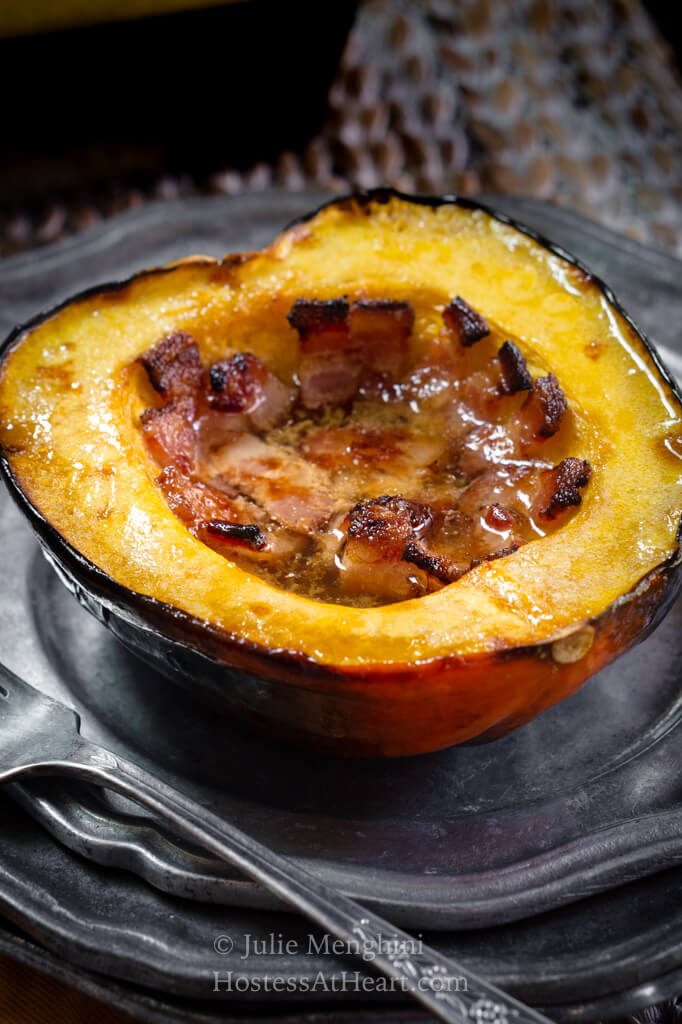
(450, 991)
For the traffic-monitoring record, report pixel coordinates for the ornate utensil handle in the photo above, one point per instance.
(448, 990)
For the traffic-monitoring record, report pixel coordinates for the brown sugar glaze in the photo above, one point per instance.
(376, 476)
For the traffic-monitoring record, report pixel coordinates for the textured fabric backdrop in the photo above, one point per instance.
(570, 100)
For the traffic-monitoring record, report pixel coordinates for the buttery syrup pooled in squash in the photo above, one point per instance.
(376, 476)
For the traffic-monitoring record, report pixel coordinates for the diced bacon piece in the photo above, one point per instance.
(386, 524)
(432, 380)
(170, 434)
(559, 488)
(329, 378)
(292, 491)
(215, 428)
(485, 390)
(231, 525)
(381, 328)
(515, 374)
(322, 324)
(484, 445)
(340, 448)
(442, 568)
(210, 514)
(383, 449)
(194, 501)
(173, 365)
(331, 363)
(465, 323)
(460, 540)
(377, 534)
(242, 384)
(545, 407)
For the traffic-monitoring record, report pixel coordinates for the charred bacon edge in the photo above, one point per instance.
(548, 398)
(515, 374)
(312, 316)
(439, 566)
(246, 534)
(172, 358)
(569, 477)
(442, 568)
(364, 524)
(467, 324)
(234, 381)
(241, 363)
(493, 556)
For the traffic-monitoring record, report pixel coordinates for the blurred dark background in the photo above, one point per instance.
(108, 105)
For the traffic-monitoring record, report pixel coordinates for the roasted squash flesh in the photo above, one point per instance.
(79, 391)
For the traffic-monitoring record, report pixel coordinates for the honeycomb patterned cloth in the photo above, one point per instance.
(567, 100)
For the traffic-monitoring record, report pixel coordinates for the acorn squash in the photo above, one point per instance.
(403, 479)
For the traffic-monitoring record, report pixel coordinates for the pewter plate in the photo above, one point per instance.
(153, 954)
(584, 798)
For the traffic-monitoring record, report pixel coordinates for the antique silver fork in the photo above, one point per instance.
(39, 735)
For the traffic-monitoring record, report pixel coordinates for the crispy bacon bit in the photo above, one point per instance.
(234, 382)
(173, 365)
(388, 523)
(238, 534)
(515, 375)
(320, 322)
(468, 325)
(339, 342)
(439, 566)
(545, 406)
(243, 384)
(560, 487)
(170, 434)
(496, 528)
(217, 518)
(381, 328)
(330, 364)
(230, 524)
(329, 378)
(377, 534)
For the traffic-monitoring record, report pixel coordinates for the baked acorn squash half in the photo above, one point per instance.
(403, 479)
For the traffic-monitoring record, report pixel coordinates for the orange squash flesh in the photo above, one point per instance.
(478, 657)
